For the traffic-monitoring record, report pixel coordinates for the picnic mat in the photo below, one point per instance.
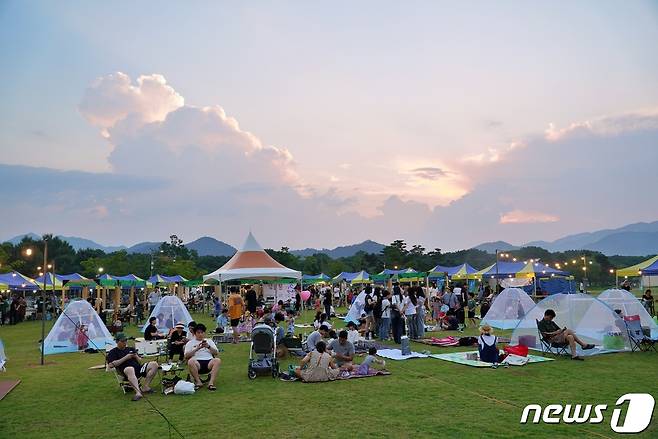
(460, 358)
(449, 341)
(355, 375)
(396, 354)
(302, 325)
(7, 386)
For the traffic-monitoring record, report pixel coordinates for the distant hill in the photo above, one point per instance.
(345, 251)
(76, 243)
(491, 247)
(636, 239)
(627, 244)
(208, 246)
(144, 247)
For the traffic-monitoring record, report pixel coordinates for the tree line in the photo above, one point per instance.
(173, 257)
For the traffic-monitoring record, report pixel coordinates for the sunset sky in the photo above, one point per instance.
(323, 124)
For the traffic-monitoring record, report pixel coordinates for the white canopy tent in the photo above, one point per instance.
(508, 308)
(629, 305)
(252, 262)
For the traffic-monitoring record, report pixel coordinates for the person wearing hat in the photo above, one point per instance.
(487, 345)
(126, 361)
(177, 341)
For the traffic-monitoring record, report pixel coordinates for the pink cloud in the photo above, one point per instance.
(527, 217)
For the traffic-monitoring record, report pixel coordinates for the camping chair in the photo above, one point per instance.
(549, 347)
(639, 341)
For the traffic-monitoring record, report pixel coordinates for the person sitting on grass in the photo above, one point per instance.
(341, 349)
(316, 336)
(553, 334)
(222, 322)
(126, 361)
(151, 332)
(352, 333)
(365, 368)
(487, 346)
(200, 355)
(317, 365)
(450, 323)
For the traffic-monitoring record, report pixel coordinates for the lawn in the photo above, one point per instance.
(422, 397)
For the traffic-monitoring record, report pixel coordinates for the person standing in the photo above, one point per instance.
(420, 311)
(154, 298)
(385, 321)
(410, 313)
(327, 303)
(235, 310)
(397, 323)
(252, 301)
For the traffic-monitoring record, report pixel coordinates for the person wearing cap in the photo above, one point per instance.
(316, 336)
(126, 361)
(177, 341)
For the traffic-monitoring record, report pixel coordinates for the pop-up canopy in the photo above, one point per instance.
(18, 281)
(252, 262)
(463, 271)
(638, 269)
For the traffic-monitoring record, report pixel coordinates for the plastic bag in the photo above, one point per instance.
(515, 360)
(184, 388)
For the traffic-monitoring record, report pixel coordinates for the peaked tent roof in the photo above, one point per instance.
(159, 279)
(651, 270)
(77, 280)
(49, 281)
(63, 335)
(345, 276)
(458, 272)
(634, 270)
(16, 280)
(362, 277)
(315, 278)
(519, 269)
(252, 262)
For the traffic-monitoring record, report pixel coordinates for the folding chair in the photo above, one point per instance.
(549, 347)
(123, 382)
(639, 341)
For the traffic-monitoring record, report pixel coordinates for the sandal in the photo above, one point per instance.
(212, 388)
(137, 397)
(198, 386)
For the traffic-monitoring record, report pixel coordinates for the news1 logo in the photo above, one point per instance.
(639, 412)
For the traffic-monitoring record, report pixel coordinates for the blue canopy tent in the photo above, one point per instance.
(17, 281)
(345, 276)
(315, 278)
(651, 270)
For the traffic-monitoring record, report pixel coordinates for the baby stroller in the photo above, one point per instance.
(262, 356)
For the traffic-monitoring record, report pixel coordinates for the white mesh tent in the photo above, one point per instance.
(168, 311)
(3, 357)
(65, 333)
(591, 319)
(508, 308)
(629, 305)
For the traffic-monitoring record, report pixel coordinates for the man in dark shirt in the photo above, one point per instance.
(252, 301)
(151, 331)
(177, 341)
(126, 361)
(553, 334)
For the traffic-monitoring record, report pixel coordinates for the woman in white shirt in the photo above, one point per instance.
(409, 311)
(397, 323)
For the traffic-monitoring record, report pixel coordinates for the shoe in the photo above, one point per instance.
(589, 346)
(137, 397)
(578, 358)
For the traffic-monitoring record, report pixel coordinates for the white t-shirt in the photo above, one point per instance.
(386, 309)
(488, 339)
(410, 307)
(201, 354)
(353, 336)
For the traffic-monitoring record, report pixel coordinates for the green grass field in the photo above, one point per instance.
(422, 398)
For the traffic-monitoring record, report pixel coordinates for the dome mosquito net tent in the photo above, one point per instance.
(68, 333)
(629, 305)
(591, 319)
(168, 311)
(3, 357)
(508, 308)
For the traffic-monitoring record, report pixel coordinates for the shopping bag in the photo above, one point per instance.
(520, 350)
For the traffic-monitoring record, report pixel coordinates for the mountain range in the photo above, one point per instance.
(637, 239)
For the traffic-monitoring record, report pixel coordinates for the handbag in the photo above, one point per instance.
(184, 388)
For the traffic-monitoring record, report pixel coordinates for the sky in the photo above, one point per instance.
(321, 124)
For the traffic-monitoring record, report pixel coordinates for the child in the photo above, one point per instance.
(471, 308)
(81, 338)
(278, 307)
(320, 318)
(352, 334)
(222, 321)
(318, 304)
(487, 345)
(247, 324)
(364, 368)
(291, 323)
(451, 323)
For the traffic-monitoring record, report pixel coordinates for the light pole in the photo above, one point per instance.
(43, 299)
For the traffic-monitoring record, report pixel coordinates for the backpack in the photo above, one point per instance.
(468, 341)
